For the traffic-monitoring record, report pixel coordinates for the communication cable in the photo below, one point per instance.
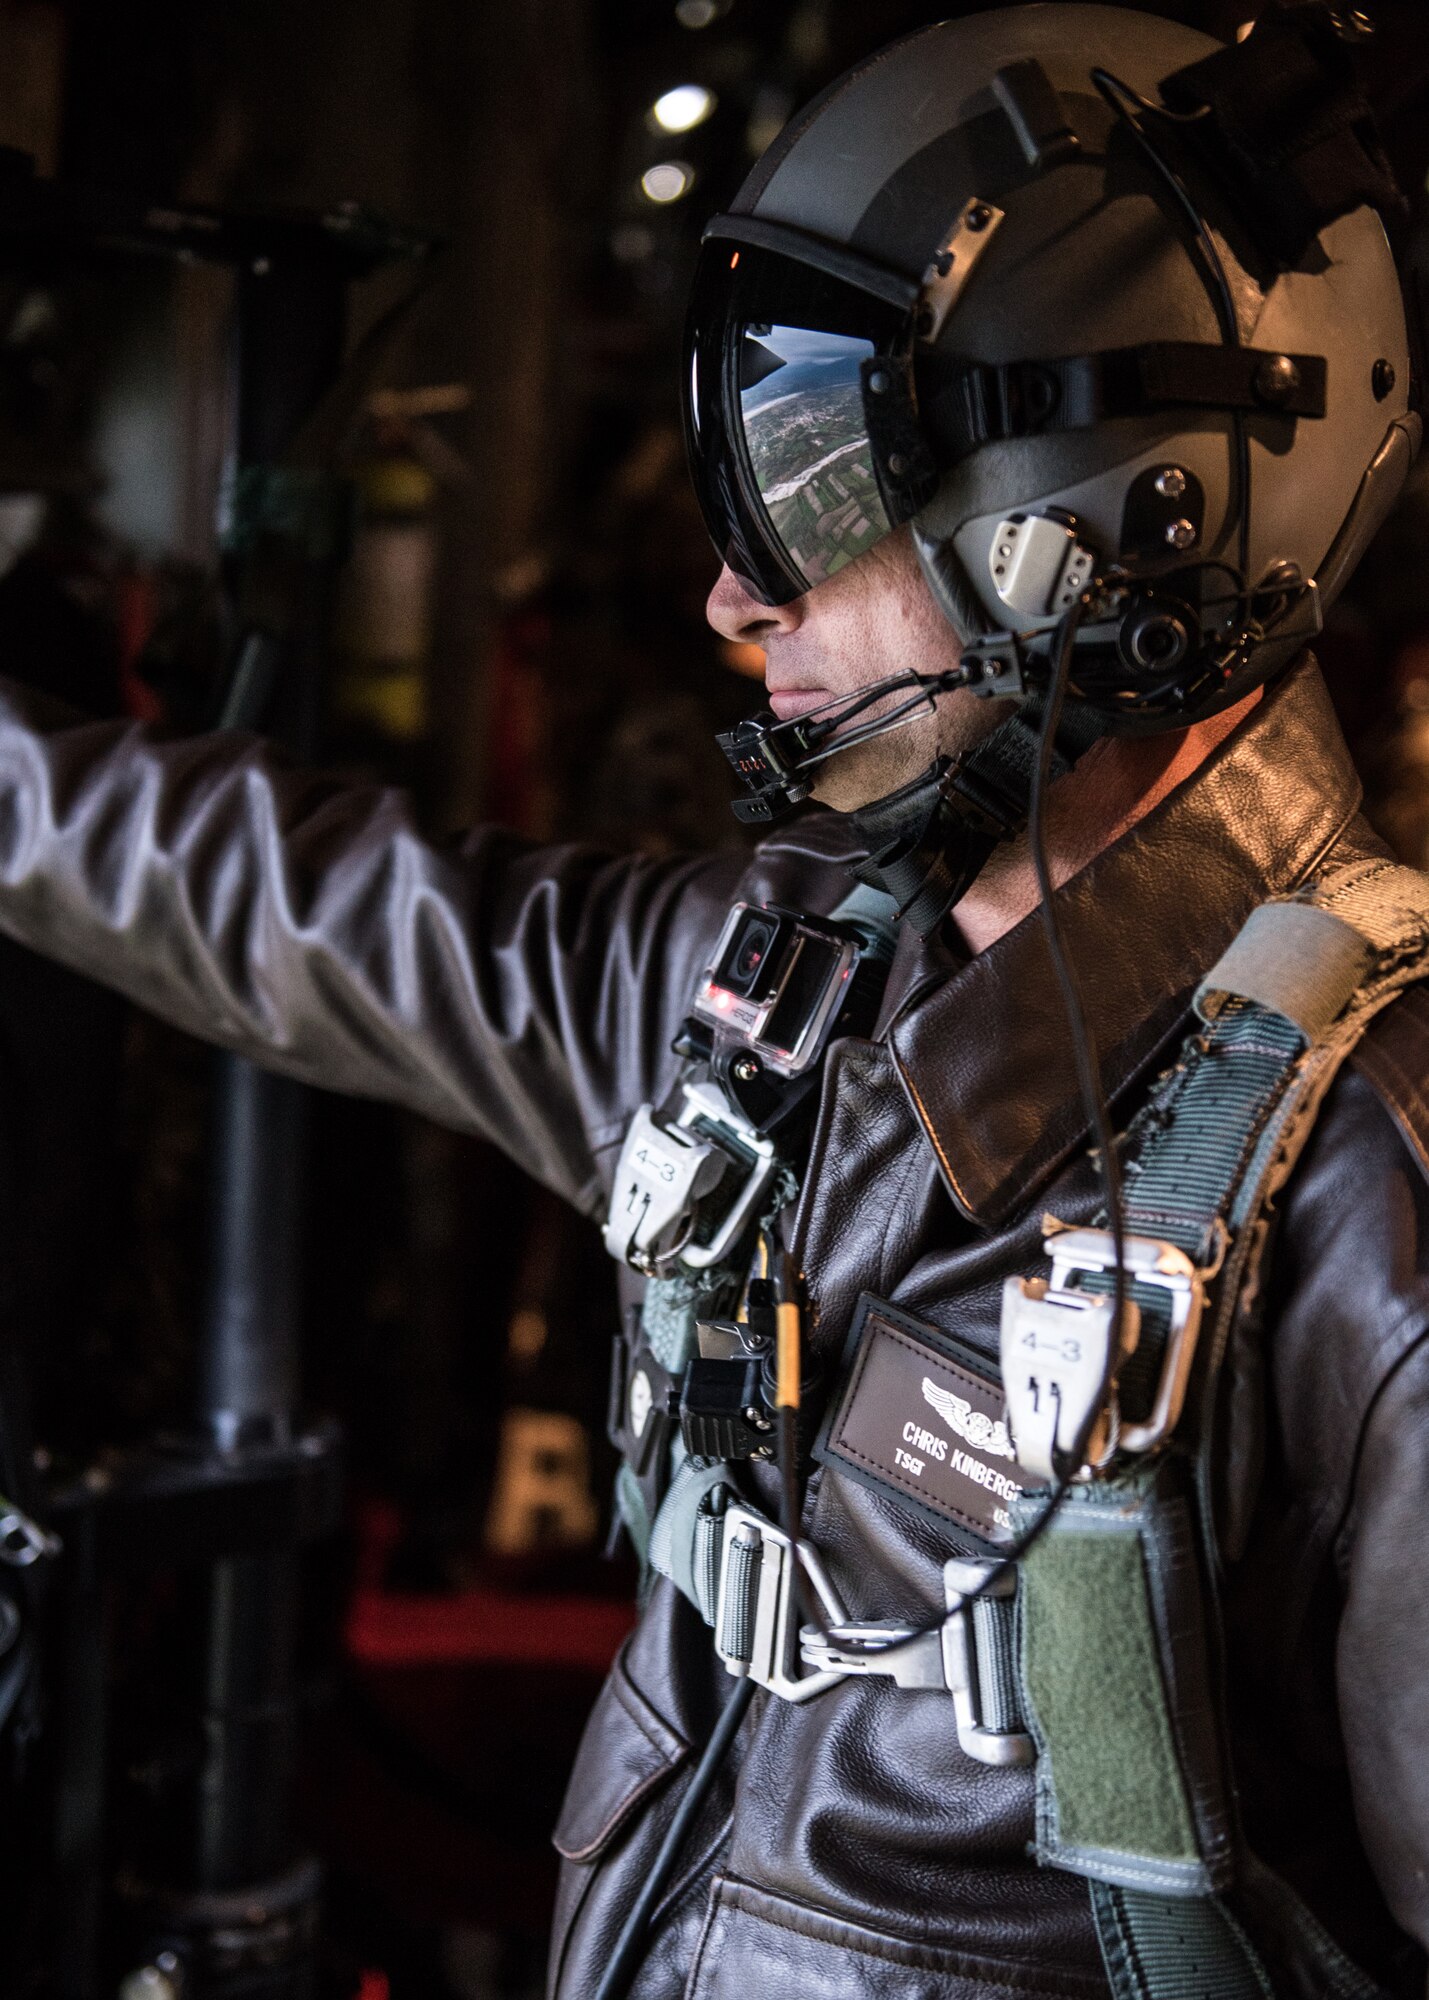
(1084, 1055)
(624, 1960)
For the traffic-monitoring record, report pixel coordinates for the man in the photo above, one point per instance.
(993, 385)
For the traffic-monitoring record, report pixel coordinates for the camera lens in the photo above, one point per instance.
(750, 960)
(752, 949)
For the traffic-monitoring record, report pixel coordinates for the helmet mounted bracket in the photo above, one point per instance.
(953, 264)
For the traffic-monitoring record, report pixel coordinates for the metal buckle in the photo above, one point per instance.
(661, 1176)
(910, 1658)
(1057, 1340)
(988, 1746)
(945, 1659)
(666, 1170)
(706, 1103)
(755, 1626)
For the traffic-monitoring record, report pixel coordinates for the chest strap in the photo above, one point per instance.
(738, 1570)
(1218, 1137)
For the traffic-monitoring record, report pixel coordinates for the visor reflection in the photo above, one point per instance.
(801, 406)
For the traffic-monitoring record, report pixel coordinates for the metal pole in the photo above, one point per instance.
(289, 345)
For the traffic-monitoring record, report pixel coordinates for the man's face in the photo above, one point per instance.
(873, 618)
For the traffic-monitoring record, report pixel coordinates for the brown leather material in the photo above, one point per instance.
(632, 1749)
(1002, 1112)
(1328, 1610)
(848, 1847)
(757, 1943)
(1393, 1058)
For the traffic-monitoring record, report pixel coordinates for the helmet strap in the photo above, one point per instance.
(929, 841)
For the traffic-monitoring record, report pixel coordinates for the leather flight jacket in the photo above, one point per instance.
(850, 1847)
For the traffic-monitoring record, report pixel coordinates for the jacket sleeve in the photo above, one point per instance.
(527, 994)
(1383, 1653)
(1351, 1389)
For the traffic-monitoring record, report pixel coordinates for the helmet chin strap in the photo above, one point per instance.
(929, 841)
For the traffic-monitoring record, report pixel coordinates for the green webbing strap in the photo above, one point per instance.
(1282, 1008)
(1174, 1948)
(1200, 1135)
(1125, 1649)
(686, 1537)
(1203, 1133)
(998, 1682)
(1114, 1697)
(672, 1305)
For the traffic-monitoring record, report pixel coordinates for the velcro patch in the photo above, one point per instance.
(922, 1416)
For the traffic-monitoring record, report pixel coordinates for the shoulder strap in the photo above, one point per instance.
(1222, 1132)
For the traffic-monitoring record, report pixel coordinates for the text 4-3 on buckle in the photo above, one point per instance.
(1059, 1346)
(667, 1169)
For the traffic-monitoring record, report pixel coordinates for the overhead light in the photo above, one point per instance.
(667, 181)
(697, 13)
(684, 107)
(1243, 32)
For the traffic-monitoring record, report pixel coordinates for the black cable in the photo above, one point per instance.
(850, 706)
(879, 725)
(817, 723)
(1119, 98)
(1084, 1048)
(1094, 1102)
(1124, 103)
(624, 1960)
(786, 1419)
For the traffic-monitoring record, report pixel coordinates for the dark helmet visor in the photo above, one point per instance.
(799, 418)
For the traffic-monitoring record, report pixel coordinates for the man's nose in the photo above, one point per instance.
(736, 615)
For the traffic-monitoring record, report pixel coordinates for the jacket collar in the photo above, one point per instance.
(984, 1055)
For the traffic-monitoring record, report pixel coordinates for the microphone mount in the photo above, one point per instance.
(774, 760)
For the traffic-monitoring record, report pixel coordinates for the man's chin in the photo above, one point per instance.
(859, 777)
(875, 770)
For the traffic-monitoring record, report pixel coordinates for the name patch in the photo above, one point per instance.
(922, 1416)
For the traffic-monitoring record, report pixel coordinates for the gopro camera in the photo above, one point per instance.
(778, 983)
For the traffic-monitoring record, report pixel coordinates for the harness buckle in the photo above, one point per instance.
(948, 1659)
(965, 1669)
(1059, 1346)
(667, 1169)
(755, 1627)
(708, 1111)
(909, 1657)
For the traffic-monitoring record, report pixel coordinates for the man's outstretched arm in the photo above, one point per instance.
(529, 994)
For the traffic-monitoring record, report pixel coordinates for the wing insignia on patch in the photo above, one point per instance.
(973, 1426)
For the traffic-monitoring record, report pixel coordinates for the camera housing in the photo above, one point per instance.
(776, 984)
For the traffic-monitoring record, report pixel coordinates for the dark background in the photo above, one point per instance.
(522, 638)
